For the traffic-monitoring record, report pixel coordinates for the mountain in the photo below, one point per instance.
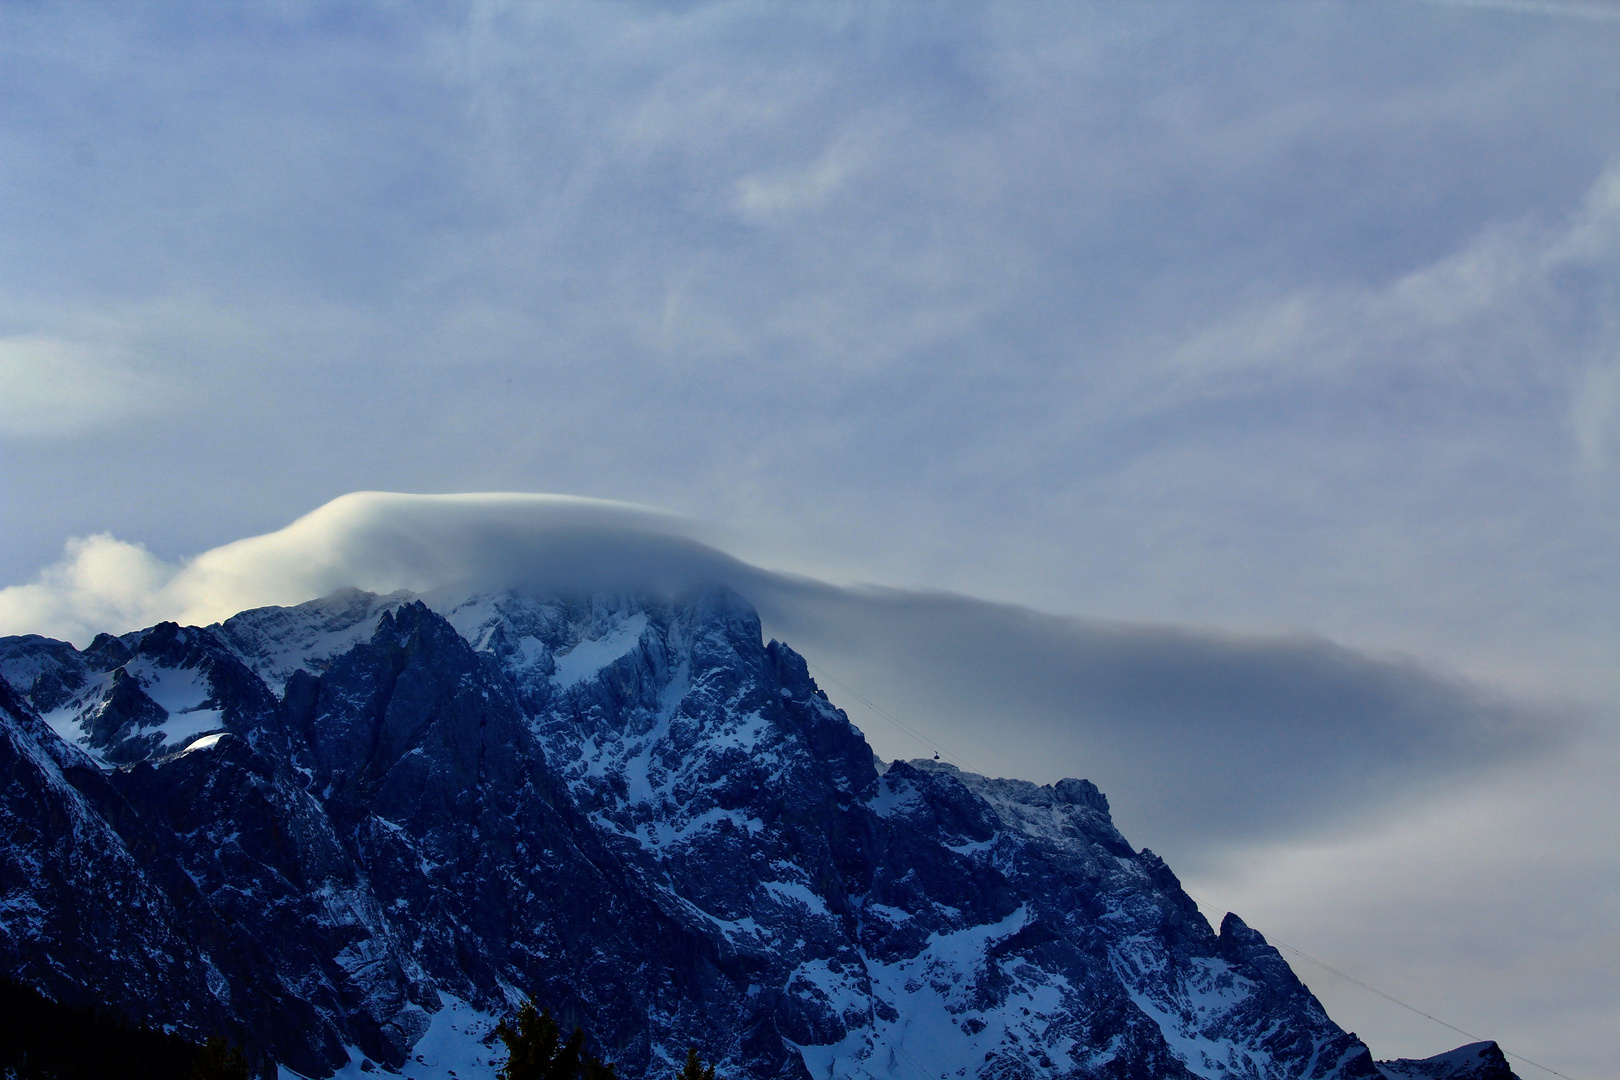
(354, 832)
(1476, 1061)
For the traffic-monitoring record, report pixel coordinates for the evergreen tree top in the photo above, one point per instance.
(536, 1050)
(694, 1069)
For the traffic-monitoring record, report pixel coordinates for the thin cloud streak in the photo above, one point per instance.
(1551, 8)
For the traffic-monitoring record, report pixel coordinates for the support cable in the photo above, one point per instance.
(927, 742)
(1325, 966)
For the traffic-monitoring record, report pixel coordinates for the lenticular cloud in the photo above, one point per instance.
(1201, 734)
(378, 541)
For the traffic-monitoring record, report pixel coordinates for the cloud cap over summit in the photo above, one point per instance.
(1199, 735)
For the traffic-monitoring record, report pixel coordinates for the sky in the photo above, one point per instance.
(1219, 401)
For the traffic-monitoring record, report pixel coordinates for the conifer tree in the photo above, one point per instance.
(694, 1069)
(535, 1050)
(219, 1060)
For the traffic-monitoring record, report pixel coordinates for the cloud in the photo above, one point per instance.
(1459, 908)
(1603, 12)
(100, 583)
(766, 196)
(1199, 735)
(379, 541)
(50, 387)
(1595, 414)
(1518, 306)
(500, 248)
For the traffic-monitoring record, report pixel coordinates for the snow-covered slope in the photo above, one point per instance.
(401, 816)
(275, 642)
(146, 695)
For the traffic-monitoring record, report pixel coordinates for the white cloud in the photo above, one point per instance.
(767, 195)
(380, 541)
(101, 583)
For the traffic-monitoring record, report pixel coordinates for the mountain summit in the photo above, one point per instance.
(355, 832)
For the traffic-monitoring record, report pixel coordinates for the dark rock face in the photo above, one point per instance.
(46, 670)
(328, 828)
(1476, 1061)
(146, 695)
(87, 916)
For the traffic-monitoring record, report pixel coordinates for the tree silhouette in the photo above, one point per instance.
(41, 1039)
(536, 1051)
(694, 1069)
(219, 1060)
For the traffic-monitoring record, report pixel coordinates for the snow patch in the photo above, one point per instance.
(894, 798)
(1195, 1005)
(587, 658)
(452, 1049)
(276, 641)
(662, 834)
(936, 1026)
(794, 893)
(184, 694)
(65, 721)
(207, 742)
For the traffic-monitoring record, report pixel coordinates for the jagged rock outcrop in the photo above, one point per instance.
(364, 825)
(1476, 1061)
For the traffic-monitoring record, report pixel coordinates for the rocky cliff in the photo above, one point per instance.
(355, 831)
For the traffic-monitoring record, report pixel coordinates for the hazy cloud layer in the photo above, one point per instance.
(379, 541)
(58, 388)
(1200, 737)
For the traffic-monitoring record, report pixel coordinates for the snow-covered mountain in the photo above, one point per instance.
(355, 831)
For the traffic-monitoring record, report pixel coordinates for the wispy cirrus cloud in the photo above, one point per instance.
(1520, 307)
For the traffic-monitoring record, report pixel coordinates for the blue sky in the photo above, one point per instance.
(1294, 323)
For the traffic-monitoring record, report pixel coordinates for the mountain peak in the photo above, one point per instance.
(628, 805)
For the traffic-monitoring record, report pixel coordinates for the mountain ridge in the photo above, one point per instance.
(635, 806)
